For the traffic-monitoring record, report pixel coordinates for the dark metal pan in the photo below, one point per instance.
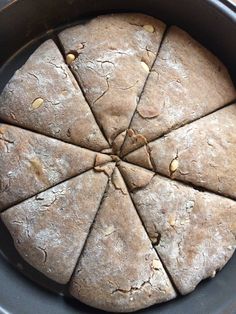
(24, 24)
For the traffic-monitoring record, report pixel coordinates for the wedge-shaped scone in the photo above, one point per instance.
(193, 232)
(31, 163)
(50, 229)
(187, 82)
(203, 152)
(43, 96)
(119, 270)
(115, 53)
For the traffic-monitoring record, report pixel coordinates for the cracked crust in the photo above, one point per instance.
(43, 96)
(131, 99)
(49, 230)
(106, 168)
(206, 152)
(31, 163)
(109, 64)
(187, 82)
(119, 270)
(118, 182)
(193, 232)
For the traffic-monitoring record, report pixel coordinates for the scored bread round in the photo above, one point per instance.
(117, 159)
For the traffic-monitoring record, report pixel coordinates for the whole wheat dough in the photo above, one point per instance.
(64, 113)
(31, 163)
(205, 151)
(186, 82)
(99, 215)
(132, 276)
(49, 230)
(115, 53)
(193, 232)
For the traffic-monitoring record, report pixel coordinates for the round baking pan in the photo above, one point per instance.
(24, 24)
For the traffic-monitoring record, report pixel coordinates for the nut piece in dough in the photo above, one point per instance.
(145, 66)
(149, 28)
(70, 57)
(37, 103)
(174, 165)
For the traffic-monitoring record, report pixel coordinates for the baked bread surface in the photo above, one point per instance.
(117, 162)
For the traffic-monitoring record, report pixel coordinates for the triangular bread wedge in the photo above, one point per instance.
(114, 54)
(203, 152)
(43, 96)
(31, 163)
(49, 230)
(119, 270)
(187, 82)
(193, 232)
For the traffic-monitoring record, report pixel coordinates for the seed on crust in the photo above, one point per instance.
(37, 103)
(145, 66)
(70, 58)
(174, 165)
(149, 28)
(156, 264)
